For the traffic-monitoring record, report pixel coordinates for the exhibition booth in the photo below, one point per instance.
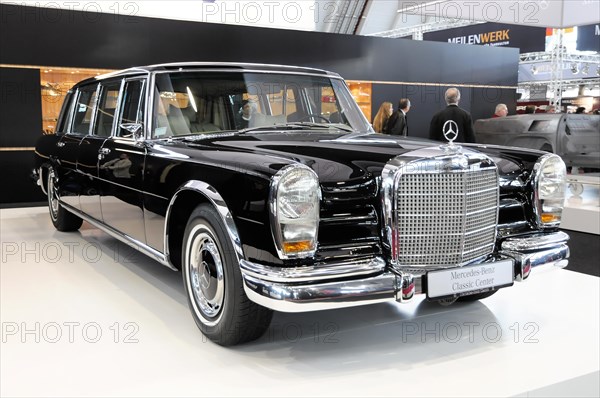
(118, 281)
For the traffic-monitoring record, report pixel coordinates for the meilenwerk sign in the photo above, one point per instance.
(526, 38)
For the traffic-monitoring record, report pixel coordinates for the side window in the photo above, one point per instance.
(105, 115)
(132, 106)
(84, 109)
(65, 114)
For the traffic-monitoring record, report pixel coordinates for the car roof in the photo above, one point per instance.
(229, 66)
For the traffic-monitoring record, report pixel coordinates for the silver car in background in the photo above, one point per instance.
(575, 138)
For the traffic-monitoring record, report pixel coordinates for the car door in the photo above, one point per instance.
(90, 148)
(78, 126)
(121, 165)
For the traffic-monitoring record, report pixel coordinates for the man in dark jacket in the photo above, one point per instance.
(398, 123)
(452, 112)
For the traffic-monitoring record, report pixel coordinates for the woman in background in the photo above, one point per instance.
(383, 115)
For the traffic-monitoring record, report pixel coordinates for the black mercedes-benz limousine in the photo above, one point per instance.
(267, 187)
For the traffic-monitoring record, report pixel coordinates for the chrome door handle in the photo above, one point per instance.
(104, 151)
(60, 144)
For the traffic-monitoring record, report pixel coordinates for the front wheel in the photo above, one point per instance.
(213, 283)
(63, 220)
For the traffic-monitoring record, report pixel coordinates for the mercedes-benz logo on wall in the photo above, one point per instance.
(450, 130)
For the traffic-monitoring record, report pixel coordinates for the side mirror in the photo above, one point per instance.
(136, 129)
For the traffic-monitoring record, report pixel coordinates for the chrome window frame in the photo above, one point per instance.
(102, 85)
(93, 119)
(188, 69)
(119, 112)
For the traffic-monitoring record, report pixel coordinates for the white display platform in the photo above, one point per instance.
(538, 338)
(582, 212)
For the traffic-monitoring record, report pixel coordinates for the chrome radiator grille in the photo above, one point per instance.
(446, 219)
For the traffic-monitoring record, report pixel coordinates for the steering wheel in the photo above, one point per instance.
(313, 115)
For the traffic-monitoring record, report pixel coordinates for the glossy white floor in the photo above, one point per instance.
(82, 315)
(582, 207)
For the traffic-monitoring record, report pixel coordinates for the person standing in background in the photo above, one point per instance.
(461, 118)
(501, 111)
(380, 122)
(398, 124)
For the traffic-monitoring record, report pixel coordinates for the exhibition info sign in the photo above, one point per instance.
(528, 39)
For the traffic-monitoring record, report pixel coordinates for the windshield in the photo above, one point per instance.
(189, 103)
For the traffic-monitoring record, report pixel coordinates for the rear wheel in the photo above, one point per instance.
(62, 219)
(213, 283)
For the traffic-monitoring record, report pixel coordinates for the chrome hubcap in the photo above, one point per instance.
(206, 275)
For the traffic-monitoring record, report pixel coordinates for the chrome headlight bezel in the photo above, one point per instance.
(549, 175)
(308, 224)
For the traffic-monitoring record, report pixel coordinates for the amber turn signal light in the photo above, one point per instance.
(548, 218)
(296, 247)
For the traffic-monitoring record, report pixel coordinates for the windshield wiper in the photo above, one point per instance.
(339, 126)
(299, 126)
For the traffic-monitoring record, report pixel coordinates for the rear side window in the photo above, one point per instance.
(105, 116)
(65, 114)
(84, 109)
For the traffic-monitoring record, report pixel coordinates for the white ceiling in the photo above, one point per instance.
(343, 16)
(542, 13)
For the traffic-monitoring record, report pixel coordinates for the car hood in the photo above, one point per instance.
(357, 157)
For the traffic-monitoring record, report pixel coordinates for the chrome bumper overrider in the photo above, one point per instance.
(320, 287)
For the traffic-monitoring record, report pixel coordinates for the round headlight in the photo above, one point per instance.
(294, 202)
(550, 180)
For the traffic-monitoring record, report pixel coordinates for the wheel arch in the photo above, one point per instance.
(181, 206)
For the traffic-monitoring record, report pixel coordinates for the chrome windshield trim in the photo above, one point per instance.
(314, 272)
(216, 69)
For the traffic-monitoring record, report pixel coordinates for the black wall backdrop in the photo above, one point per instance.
(52, 37)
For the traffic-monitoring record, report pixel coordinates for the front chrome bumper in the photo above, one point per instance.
(315, 288)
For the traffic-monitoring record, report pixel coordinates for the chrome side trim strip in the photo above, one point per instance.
(314, 272)
(215, 198)
(142, 247)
